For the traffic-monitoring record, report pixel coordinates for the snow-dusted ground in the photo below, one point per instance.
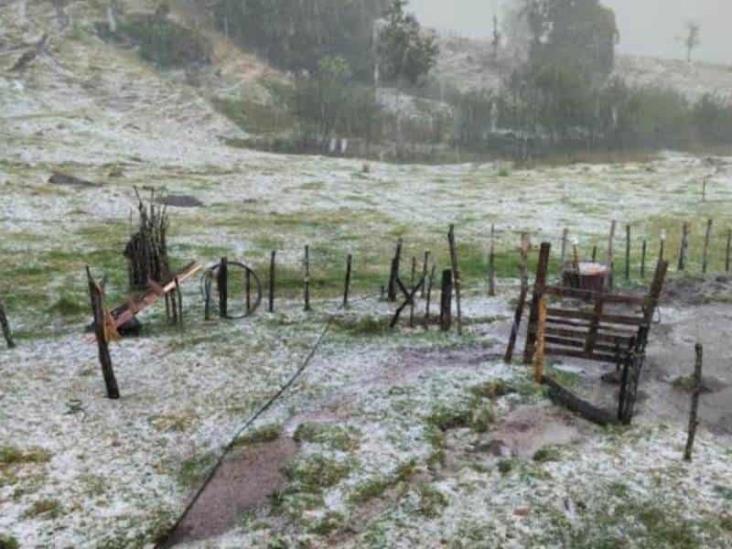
(118, 473)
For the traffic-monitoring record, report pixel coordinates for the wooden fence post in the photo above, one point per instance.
(540, 342)
(179, 298)
(347, 284)
(684, 246)
(100, 333)
(644, 250)
(662, 249)
(223, 286)
(425, 271)
(727, 253)
(705, 253)
(391, 290)
(248, 290)
(563, 256)
(446, 301)
(492, 264)
(411, 287)
(627, 253)
(429, 297)
(272, 280)
(693, 413)
(307, 278)
(539, 285)
(455, 276)
(611, 253)
(5, 325)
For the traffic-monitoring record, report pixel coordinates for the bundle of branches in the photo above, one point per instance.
(146, 252)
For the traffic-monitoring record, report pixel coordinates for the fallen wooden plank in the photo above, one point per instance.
(566, 398)
(133, 307)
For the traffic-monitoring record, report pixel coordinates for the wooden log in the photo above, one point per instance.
(307, 278)
(644, 250)
(627, 253)
(272, 259)
(693, 413)
(223, 286)
(347, 283)
(539, 285)
(684, 246)
(429, 296)
(566, 398)
(705, 253)
(540, 342)
(391, 290)
(5, 325)
(446, 301)
(455, 276)
(727, 255)
(492, 263)
(100, 322)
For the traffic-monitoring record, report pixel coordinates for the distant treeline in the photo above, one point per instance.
(562, 97)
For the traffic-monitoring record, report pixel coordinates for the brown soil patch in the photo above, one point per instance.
(243, 482)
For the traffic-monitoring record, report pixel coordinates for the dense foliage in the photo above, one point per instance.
(297, 34)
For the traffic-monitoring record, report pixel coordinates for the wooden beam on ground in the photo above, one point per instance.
(566, 398)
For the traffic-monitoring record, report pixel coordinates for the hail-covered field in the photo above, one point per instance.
(404, 438)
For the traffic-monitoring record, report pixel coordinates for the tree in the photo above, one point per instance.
(297, 34)
(692, 40)
(405, 54)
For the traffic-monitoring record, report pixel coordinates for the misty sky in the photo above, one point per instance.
(647, 27)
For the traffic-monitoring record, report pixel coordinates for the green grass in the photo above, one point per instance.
(337, 437)
(10, 455)
(265, 433)
(44, 508)
(193, 470)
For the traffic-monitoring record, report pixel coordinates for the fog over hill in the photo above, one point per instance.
(647, 27)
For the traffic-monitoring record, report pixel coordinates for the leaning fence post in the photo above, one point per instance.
(693, 413)
(223, 285)
(5, 325)
(705, 254)
(307, 278)
(446, 301)
(684, 246)
(347, 284)
(272, 280)
(455, 276)
(100, 333)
